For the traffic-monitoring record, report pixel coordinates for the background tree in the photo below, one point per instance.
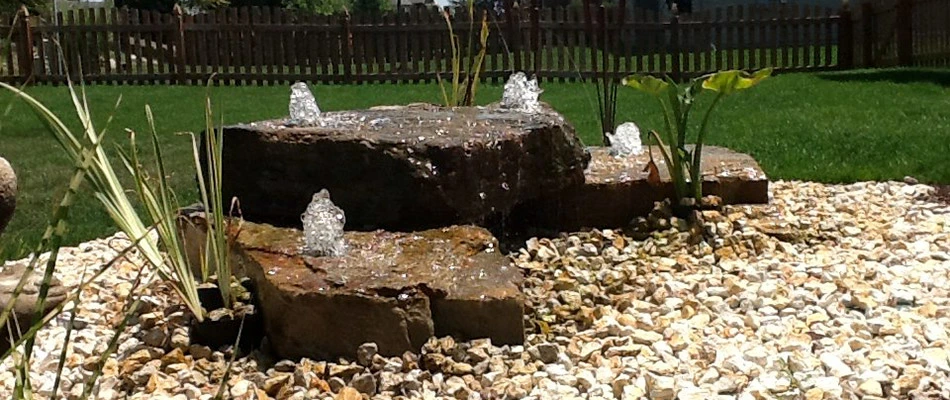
(372, 6)
(36, 7)
(319, 7)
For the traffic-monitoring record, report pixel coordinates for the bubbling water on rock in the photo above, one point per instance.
(521, 94)
(626, 140)
(303, 106)
(323, 227)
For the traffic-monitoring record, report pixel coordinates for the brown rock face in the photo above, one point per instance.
(402, 168)
(616, 190)
(394, 289)
(7, 193)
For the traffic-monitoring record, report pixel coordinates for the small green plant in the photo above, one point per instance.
(162, 207)
(85, 166)
(108, 189)
(676, 102)
(165, 250)
(465, 83)
(218, 235)
(92, 166)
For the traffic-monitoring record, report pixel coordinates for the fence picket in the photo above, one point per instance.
(829, 40)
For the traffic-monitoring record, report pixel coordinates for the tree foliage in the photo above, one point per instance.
(36, 7)
(319, 7)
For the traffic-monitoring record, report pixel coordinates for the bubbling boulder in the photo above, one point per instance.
(393, 289)
(402, 168)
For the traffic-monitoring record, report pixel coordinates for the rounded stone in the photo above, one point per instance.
(7, 193)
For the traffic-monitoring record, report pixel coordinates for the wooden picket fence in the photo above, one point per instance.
(273, 46)
(902, 33)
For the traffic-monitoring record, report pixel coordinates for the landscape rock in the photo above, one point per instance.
(25, 304)
(392, 289)
(402, 168)
(8, 192)
(616, 189)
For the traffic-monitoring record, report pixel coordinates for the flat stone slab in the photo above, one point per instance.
(402, 168)
(616, 191)
(394, 289)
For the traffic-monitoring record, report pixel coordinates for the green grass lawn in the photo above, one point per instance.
(833, 127)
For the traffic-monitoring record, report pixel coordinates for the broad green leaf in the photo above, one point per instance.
(728, 82)
(647, 84)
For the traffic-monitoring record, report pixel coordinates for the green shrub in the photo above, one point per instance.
(318, 7)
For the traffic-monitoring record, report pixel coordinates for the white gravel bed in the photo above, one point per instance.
(830, 292)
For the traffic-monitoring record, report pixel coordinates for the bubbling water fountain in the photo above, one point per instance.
(303, 106)
(323, 227)
(521, 94)
(625, 141)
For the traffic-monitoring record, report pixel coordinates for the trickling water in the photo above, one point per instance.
(303, 106)
(626, 140)
(323, 227)
(521, 94)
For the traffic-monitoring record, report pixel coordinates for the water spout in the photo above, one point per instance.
(521, 94)
(625, 141)
(323, 227)
(303, 106)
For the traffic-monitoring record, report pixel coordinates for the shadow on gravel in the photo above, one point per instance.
(942, 195)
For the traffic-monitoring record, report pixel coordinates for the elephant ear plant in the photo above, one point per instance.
(676, 101)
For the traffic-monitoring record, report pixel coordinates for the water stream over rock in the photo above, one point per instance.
(303, 106)
(625, 141)
(521, 94)
(323, 227)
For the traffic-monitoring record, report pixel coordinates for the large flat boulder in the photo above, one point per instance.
(394, 289)
(402, 168)
(616, 190)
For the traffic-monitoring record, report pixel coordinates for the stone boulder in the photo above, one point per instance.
(393, 289)
(616, 190)
(25, 305)
(7, 193)
(402, 168)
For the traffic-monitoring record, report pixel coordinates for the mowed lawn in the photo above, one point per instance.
(832, 127)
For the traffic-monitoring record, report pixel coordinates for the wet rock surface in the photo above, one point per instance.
(616, 190)
(8, 189)
(393, 289)
(402, 168)
(853, 306)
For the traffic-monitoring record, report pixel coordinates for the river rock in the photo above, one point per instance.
(402, 168)
(8, 189)
(392, 289)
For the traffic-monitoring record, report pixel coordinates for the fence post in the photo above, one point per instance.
(867, 21)
(347, 47)
(845, 38)
(25, 48)
(675, 46)
(591, 34)
(514, 38)
(178, 33)
(536, 37)
(905, 32)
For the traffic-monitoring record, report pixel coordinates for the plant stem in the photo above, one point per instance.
(697, 171)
